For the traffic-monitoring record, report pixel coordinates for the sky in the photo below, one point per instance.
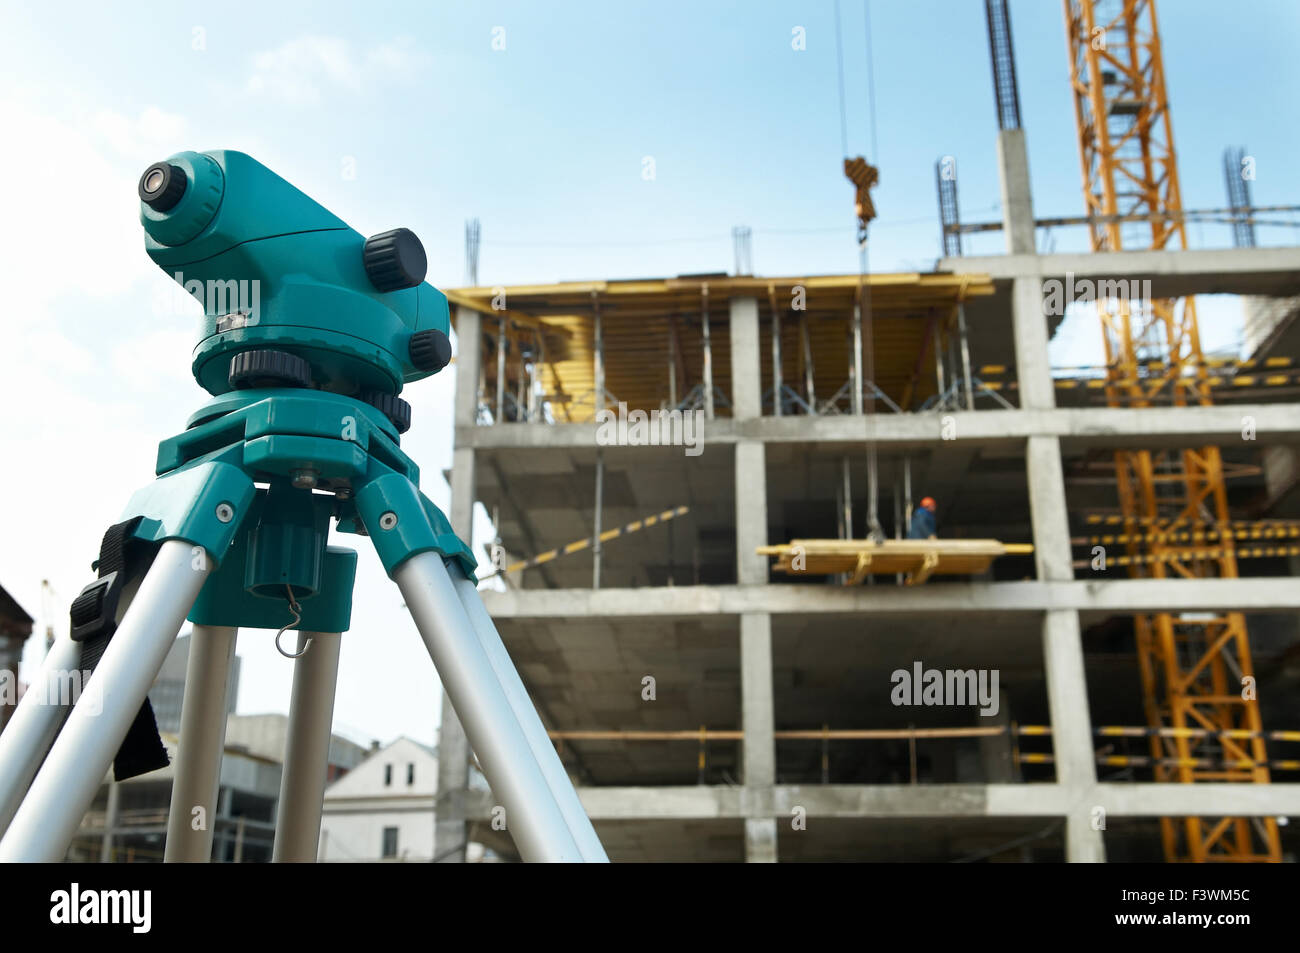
(541, 120)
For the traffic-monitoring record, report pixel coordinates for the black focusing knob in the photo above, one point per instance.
(430, 350)
(267, 368)
(162, 186)
(394, 260)
(394, 408)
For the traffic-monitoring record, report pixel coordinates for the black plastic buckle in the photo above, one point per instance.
(94, 611)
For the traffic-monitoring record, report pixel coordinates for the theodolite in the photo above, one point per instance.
(310, 332)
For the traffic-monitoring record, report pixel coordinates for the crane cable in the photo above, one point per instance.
(871, 74)
(865, 323)
(839, 60)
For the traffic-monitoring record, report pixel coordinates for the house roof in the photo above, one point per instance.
(12, 616)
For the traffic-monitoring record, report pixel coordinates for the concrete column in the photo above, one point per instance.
(462, 493)
(1083, 845)
(757, 699)
(759, 754)
(1067, 698)
(1071, 735)
(451, 832)
(758, 721)
(1047, 510)
(751, 512)
(1033, 370)
(1017, 198)
(751, 475)
(746, 378)
(1067, 688)
(1029, 327)
(450, 827)
(778, 383)
(760, 840)
(469, 339)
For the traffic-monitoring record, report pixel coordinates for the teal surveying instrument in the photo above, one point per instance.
(304, 425)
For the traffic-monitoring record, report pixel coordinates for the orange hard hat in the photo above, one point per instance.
(927, 502)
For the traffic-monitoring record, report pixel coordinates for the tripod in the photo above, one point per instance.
(233, 533)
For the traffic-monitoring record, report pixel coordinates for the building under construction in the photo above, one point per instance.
(730, 636)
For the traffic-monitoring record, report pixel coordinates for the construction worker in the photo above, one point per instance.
(922, 525)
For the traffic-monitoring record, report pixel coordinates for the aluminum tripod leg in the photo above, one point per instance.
(34, 724)
(66, 784)
(514, 769)
(197, 768)
(41, 713)
(306, 753)
(543, 748)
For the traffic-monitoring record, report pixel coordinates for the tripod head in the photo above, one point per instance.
(292, 296)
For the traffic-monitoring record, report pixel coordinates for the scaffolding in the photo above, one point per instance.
(563, 353)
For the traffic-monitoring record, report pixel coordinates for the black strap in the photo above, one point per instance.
(94, 620)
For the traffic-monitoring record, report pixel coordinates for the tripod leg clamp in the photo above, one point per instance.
(402, 522)
(93, 616)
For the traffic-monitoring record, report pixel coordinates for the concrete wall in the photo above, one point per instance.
(348, 837)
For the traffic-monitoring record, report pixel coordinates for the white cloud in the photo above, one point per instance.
(75, 232)
(303, 70)
(87, 418)
(400, 56)
(145, 138)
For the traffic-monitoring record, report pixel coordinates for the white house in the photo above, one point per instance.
(383, 808)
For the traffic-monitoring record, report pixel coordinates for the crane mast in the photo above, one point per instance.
(1196, 669)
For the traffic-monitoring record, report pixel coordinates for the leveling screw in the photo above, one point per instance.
(303, 479)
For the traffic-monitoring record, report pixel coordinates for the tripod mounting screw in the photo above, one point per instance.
(225, 512)
(388, 520)
(394, 260)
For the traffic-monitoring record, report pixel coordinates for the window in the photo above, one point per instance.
(388, 775)
(390, 842)
(410, 773)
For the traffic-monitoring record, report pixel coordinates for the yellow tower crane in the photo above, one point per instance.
(1196, 669)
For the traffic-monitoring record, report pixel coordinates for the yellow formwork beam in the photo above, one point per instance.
(918, 559)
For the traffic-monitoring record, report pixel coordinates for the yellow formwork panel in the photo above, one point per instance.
(648, 324)
(918, 559)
